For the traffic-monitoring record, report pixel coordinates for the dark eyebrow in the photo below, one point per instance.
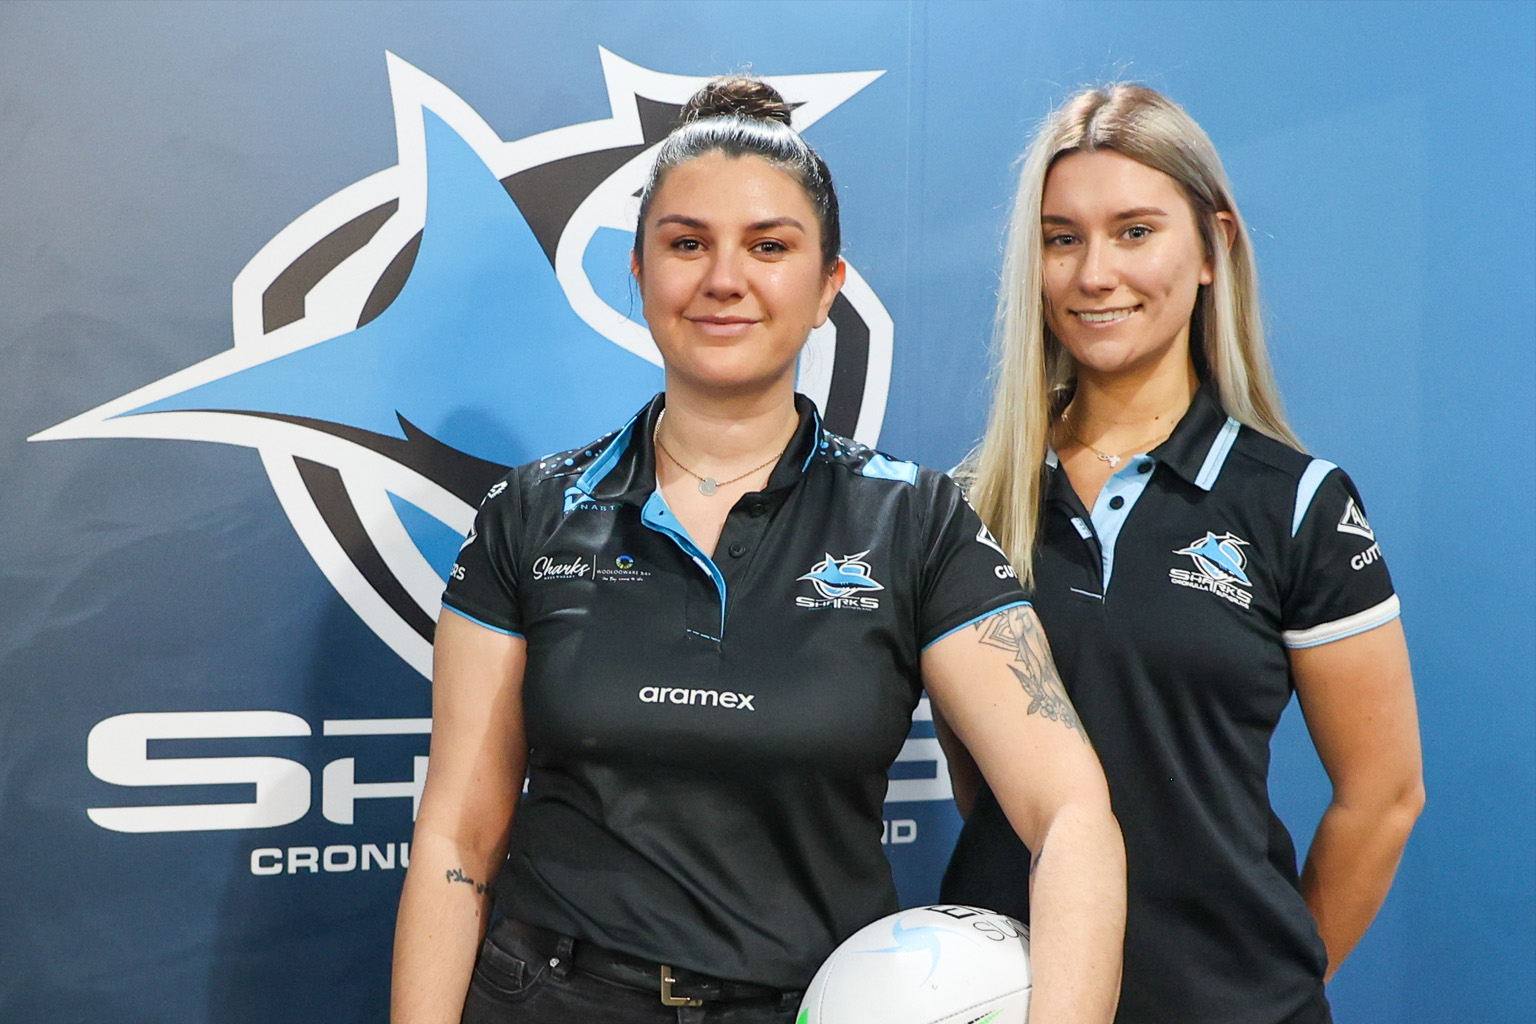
(677, 218)
(776, 222)
(699, 225)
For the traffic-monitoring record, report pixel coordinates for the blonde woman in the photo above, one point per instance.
(1193, 566)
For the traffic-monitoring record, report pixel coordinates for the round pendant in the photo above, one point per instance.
(708, 486)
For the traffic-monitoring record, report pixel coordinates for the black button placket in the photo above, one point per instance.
(1070, 507)
(740, 537)
(704, 615)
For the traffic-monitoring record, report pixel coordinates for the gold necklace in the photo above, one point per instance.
(708, 485)
(1103, 456)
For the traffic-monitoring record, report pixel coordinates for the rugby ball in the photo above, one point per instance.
(927, 965)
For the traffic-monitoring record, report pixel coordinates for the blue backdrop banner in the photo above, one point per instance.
(285, 286)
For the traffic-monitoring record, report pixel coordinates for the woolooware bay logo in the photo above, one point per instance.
(405, 340)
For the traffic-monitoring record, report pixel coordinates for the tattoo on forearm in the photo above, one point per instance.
(458, 875)
(1017, 631)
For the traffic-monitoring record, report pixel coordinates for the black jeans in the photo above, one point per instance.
(516, 984)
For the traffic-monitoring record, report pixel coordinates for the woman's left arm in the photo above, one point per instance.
(996, 686)
(1357, 697)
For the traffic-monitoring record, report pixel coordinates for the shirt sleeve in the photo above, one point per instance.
(966, 576)
(482, 585)
(1339, 585)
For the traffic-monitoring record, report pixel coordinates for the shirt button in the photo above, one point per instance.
(1117, 502)
(737, 550)
(1145, 467)
(757, 510)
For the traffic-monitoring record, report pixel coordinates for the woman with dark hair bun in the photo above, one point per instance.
(700, 639)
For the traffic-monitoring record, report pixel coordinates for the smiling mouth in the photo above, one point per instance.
(722, 326)
(1104, 316)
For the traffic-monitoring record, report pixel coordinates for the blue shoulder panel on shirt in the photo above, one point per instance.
(1306, 489)
(1210, 469)
(881, 468)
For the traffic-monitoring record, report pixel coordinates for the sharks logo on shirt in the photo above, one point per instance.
(1222, 566)
(404, 341)
(842, 583)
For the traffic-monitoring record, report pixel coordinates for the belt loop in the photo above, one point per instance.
(560, 963)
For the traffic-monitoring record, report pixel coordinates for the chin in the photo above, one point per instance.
(1111, 358)
(731, 380)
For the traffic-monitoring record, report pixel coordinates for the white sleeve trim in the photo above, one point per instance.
(1348, 626)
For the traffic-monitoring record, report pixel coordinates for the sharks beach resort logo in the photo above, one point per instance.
(401, 343)
(842, 583)
(1221, 563)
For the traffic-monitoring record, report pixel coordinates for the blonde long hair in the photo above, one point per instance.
(1034, 377)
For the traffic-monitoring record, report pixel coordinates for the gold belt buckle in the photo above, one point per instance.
(667, 998)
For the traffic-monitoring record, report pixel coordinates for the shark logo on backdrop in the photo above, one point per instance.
(401, 343)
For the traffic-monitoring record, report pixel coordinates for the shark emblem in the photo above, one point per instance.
(1220, 558)
(400, 344)
(922, 939)
(838, 577)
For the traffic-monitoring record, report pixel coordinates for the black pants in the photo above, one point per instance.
(514, 983)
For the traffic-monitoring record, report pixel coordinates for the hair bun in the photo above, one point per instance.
(737, 96)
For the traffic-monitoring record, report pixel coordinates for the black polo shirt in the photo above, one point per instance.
(1171, 607)
(709, 737)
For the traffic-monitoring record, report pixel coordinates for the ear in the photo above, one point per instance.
(634, 264)
(1228, 225)
(829, 289)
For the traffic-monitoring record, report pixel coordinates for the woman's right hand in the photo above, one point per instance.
(479, 755)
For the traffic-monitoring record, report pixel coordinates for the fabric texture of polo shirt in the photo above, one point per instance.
(709, 737)
(1171, 607)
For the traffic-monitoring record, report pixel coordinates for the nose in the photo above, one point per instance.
(726, 278)
(1097, 271)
